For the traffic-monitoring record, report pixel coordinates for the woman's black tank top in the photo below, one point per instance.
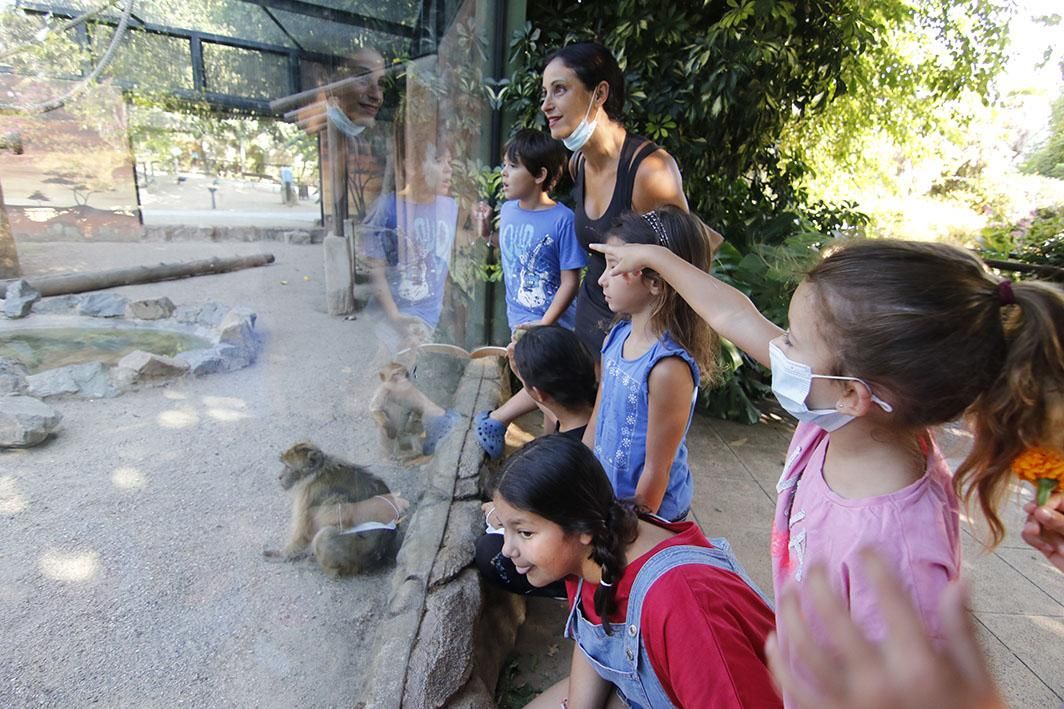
(593, 316)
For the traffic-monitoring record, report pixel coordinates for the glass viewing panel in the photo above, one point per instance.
(132, 569)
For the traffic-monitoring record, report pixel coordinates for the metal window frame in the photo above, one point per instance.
(431, 16)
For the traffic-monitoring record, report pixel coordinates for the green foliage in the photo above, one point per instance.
(715, 83)
(768, 274)
(724, 86)
(1037, 238)
(230, 145)
(489, 189)
(1048, 158)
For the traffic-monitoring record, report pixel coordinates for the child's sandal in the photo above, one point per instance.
(490, 434)
(436, 429)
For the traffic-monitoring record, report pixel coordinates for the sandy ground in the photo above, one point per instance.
(131, 571)
(163, 199)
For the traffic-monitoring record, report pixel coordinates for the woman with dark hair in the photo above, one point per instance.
(613, 171)
(661, 615)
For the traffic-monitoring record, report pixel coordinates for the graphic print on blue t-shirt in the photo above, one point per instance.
(536, 246)
(415, 240)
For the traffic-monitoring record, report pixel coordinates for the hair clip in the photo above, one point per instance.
(654, 221)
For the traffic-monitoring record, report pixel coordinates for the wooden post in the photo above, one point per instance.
(9, 265)
(337, 178)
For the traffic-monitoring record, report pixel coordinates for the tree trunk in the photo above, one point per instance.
(9, 265)
(81, 282)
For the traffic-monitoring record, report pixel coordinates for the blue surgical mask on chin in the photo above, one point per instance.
(582, 133)
(340, 119)
(791, 382)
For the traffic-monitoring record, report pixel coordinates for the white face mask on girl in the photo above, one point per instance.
(582, 133)
(791, 382)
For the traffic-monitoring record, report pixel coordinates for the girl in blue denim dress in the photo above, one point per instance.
(652, 364)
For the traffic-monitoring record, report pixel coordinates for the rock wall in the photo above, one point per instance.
(443, 642)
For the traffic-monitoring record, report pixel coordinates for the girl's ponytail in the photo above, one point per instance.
(619, 529)
(1024, 406)
(945, 338)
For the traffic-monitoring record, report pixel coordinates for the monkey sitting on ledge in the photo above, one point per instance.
(342, 513)
(401, 412)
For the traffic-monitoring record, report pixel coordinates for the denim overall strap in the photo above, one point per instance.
(720, 556)
(620, 656)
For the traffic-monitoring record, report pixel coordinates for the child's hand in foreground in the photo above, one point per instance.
(628, 258)
(904, 672)
(1044, 529)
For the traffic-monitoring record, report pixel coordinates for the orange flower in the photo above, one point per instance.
(1043, 467)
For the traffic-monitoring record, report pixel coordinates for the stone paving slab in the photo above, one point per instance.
(1036, 642)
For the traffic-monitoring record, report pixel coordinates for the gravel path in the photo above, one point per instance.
(131, 571)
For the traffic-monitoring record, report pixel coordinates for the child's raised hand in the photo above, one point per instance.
(629, 258)
(1044, 529)
(481, 214)
(905, 671)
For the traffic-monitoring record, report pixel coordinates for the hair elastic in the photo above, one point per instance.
(1005, 293)
(390, 504)
(602, 582)
(654, 221)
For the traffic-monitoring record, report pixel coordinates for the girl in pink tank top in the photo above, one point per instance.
(887, 339)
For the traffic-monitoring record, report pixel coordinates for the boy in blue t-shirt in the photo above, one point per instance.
(407, 241)
(541, 257)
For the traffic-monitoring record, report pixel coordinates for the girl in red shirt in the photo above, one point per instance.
(661, 615)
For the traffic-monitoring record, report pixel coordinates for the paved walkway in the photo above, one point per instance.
(1017, 597)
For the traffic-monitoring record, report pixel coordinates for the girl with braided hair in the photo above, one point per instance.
(661, 615)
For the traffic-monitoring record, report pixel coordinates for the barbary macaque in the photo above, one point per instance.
(333, 513)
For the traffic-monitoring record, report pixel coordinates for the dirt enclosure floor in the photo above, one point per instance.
(131, 568)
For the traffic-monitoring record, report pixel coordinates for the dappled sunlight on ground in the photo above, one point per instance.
(70, 566)
(128, 478)
(11, 500)
(178, 418)
(1053, 625)
(227, 415)
(226, 409)
(218, 408)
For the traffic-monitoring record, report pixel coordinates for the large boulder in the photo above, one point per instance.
(88, 381)
(103, 305)
(58, 305)
(152, 308)
(12, 377)
(220, 358)
(238, 329)
(25, 421)
(143, 367)
(208, 314)
(441, 661)
(19, 299)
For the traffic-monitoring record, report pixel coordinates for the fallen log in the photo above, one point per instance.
(99, 280)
